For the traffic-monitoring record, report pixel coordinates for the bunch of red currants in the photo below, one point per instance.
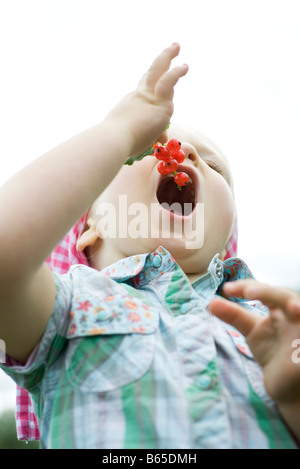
(170, 156)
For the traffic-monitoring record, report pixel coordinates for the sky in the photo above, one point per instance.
(66, 63)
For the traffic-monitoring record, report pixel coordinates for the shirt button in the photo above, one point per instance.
(219, 270)
(102, 315)
(184, 308)
(157, 261)
(204, 381)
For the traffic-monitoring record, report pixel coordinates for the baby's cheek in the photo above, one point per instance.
(133, 177)
(222, 204)
(227, 212)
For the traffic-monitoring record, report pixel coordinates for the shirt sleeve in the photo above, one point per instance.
(30, 374)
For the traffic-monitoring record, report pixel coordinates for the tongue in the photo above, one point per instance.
(174, 199)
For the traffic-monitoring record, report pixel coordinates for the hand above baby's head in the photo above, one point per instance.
(146, 112)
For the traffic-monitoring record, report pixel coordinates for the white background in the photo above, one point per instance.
(65, 63)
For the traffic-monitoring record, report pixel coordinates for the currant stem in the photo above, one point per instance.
(130, 160)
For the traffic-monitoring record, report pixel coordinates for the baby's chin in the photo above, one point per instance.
(191, 260)
(187, 253)
(192, 256)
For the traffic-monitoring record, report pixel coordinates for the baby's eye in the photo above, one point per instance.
(219, 169)
(215, 167)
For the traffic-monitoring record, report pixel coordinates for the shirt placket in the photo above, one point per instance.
(207, 406)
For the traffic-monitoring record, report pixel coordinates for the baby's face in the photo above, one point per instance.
(140, 202)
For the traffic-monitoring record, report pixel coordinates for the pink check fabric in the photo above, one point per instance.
(60, 260)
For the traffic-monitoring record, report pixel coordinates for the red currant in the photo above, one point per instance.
(179, 156)
(173, 145)
(181, 179)
(161, 153)
(170, 155)
(162, 168)
(171, 164)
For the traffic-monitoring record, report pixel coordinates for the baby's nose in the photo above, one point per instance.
(190, 153)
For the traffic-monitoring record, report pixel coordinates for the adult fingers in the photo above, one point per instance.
(273, 297)
(293, 307)
(234, 314)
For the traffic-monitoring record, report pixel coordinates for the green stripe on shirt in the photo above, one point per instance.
(62, 425)
(179, 291)
(138, 405)
(90, 354)
(272, 426)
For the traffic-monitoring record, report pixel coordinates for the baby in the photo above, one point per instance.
(142, 349)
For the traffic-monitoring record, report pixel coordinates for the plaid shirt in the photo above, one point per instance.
(132, 358)
(61, 259)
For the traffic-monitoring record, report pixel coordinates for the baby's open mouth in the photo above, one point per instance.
(181, 202)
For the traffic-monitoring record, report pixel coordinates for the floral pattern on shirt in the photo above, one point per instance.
(93, 313)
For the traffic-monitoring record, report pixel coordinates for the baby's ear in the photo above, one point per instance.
(87, 238)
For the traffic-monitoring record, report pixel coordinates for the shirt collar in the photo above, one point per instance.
(219, 272)
(142, 268)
